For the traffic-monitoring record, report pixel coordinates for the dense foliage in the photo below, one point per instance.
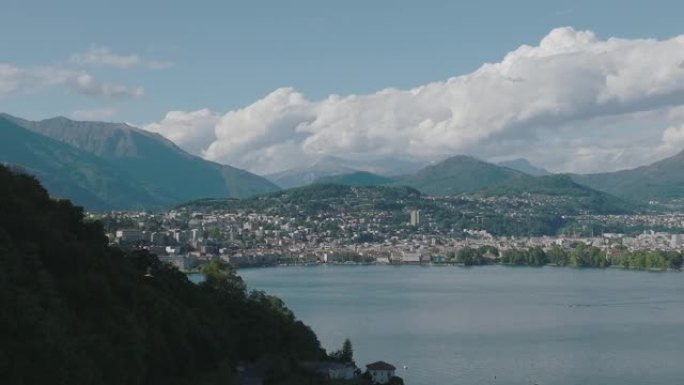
(75, 310)
(568, 197)
(577, 255)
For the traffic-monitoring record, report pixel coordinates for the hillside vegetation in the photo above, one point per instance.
(75, 310)
(659, 181)
(456, 175)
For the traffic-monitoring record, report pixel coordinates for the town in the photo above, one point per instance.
(187, 239)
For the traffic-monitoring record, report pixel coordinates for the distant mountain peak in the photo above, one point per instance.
(524, 165)
(458, 174)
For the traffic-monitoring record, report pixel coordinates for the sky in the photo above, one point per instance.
(573, 86)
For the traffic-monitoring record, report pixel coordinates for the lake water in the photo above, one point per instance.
(494, 324)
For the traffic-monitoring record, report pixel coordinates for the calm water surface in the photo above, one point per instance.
(494, 325)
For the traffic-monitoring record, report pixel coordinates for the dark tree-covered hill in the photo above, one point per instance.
(75, 310)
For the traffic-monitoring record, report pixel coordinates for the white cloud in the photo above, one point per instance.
(9, 79)
(95, 114)
(673, 136)
(101, 55)
(85, 83)
(194, 129)
(28, 80)
(566, 88)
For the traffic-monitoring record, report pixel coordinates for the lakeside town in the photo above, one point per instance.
(188, 239)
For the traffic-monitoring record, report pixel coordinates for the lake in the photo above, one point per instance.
(494, 324)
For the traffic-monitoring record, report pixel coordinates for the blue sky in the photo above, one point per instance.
(225, 55)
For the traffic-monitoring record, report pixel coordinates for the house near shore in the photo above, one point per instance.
(410, 258)
(335, 370)
(381, 372)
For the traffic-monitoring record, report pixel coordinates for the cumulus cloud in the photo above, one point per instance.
(194, 129)
(104, 56)
(563, 88)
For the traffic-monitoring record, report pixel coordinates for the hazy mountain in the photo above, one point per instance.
(151, 160)
(524, 165)
(458, 174)
(327, 166)
(332, 166)
(359, 178)
(388, 166)
(662, 181)
(68, 172)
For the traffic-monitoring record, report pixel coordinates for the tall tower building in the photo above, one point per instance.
(415, 217)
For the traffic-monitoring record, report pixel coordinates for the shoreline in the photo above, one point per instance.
(445, 265)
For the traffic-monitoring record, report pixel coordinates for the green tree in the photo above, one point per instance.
(222, 276)
(345, 354)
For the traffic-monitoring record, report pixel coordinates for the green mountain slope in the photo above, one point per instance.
(153, 158)
(560, 192)
(68, 172)
(150, 159)
(315, 198)
(457, 175)
(360, 178)
(660, 181)
(75, 310)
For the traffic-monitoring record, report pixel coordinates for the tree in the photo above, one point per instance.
(347, 351)
(222, 276)
(346, 354)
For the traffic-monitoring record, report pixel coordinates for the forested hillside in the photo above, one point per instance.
(75, 310)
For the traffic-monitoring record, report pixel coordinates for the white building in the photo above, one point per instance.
(415, 217)
(181, 262)
(129, 235)
(338, 371)
(335, 370)
(380, 372)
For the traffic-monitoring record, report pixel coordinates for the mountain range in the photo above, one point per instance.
(105, 166)
(329, 166)
(660, 181)
(116, 166)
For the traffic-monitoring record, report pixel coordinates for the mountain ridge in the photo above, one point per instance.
(662, 180)
(458, 174)
(525, 166)
(148, 159)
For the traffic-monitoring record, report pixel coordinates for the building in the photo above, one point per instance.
(129, 235)
(342, 371)
(181, 262)
(380, 372)
(335, 370)
(410, 258)
(415, 217)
